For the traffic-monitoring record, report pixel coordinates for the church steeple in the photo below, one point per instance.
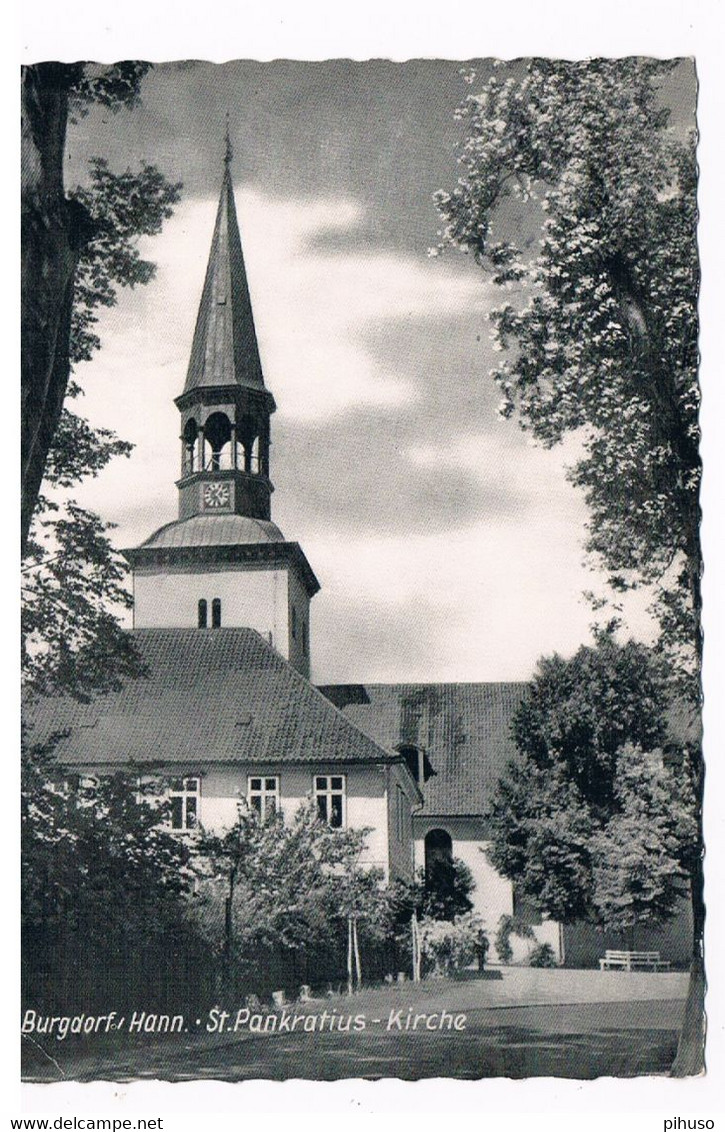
(224, 563)
(225, 407)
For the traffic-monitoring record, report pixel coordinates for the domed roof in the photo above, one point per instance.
(214, 530)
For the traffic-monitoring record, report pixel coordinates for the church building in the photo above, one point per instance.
(226, 710)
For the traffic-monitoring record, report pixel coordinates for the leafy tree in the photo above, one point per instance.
(599, 817)
(285, 884)
(586, 708)
(357, 898)
(78, 247)
(588, 771)
(445, 889)
(105, 889)
(640, 857)
(540, 836)
(601, 333)
(601, 338)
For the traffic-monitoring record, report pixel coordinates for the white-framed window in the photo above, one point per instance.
(329, 791)
(263, 794)
(185, 799)
(84, 787)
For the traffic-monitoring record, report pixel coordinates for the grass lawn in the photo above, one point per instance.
(560, 1023)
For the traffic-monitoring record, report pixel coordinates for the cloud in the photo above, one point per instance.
(448, 547)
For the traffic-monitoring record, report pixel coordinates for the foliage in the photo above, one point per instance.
(640, 855)
(451, 945)
(542, 956)
(601, 333)
(72, 588)
(73, 581)
(445, 889)
(105, 888)
(78, 247)
(122, 207)
(508, 926)
(441, 894)
(273, 883)
(589, 821)
(579, 712)
(111, 86)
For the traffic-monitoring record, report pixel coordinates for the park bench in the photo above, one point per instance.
(633, 961)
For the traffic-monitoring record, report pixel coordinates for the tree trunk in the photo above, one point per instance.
(415, 933)
(53, 232)
(690, 1059)
(349, 955)
(229, 920)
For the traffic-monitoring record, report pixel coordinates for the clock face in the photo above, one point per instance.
(216, 495)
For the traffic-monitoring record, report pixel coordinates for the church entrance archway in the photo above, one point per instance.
(439, 872)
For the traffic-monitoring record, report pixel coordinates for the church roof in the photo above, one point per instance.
(209, 697)
(224, 350)
(214, 530)
(465, 729)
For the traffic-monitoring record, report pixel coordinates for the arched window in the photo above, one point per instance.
(218, 434)
(191, 434)
(216, 613)
(439, 873)
(202, 614)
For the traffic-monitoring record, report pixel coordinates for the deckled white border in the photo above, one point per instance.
(458, 29)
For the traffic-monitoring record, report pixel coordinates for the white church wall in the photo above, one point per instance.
(365, 801)
(298, 615)
(493, 895)
(402, 798)
(250, 598)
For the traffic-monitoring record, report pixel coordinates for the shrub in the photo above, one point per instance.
(508, 926)
(451, 945)
(542, 956)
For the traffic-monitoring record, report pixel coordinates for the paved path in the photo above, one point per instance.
(529, 1023)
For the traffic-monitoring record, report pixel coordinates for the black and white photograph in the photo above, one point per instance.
(361, 570)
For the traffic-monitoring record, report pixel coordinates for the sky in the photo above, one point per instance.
(448, 547)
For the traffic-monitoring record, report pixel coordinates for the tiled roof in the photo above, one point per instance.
(215, 530)
(464, 729)
(224, 350)
(210, 696)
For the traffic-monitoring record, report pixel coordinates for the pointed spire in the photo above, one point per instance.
(225, 350)
(228, 151)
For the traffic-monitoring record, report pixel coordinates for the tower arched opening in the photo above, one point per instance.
(189, 439)
(217, 442)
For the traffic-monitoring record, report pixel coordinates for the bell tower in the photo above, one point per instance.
(225, 407)
(224, 564)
